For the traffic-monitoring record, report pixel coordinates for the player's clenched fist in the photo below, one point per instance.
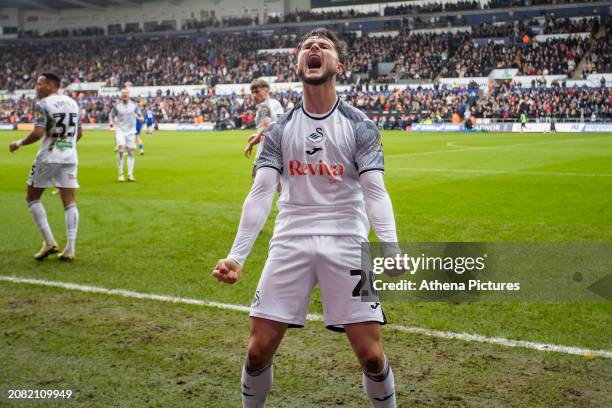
(227, 271)
(14, 146)
(252, 138)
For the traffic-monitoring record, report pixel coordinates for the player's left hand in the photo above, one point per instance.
(227, 271)
(252, 138)
(13, 146)
(248, 150)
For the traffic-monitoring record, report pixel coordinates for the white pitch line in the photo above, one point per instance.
(477, 148)
(518, 172)
(315, 317)
(503, 341)
(137, 295)
(451, 144)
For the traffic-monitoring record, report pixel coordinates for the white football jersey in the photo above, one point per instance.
(270, 108)
(60, 116)
(320, 159)
(125, 115)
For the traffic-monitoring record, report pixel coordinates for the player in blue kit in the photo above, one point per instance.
(149, 119)
(138, 138)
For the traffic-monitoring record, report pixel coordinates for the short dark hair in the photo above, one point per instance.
(322, 32)
(53, 78)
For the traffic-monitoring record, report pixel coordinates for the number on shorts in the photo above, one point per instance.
(358, 289)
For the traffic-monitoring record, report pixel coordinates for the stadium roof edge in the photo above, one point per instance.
(305, 24)
(58, 5)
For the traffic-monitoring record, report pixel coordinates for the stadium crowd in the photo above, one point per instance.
(439, 104)
(301, 16)
(551, 24)
(458, 55)
(209, 59)
(423, 56)
(526, 3)
(553, 57)
(215, 58)
(309, 15)
(430, 8)
(599, 59)
(558, 102)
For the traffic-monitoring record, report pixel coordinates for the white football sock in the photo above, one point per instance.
(120, 156)
(72, 224)
(256, 386)
(130, 164)
(40, 218)
(380, 387)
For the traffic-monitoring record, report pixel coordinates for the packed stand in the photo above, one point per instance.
(425, 56)
(586, 104)
(307, 15)
(550, 25)
(239, 21)
(200, 25)
(208, 60)
(215, 58)
(77, 32)
(554, 25)
(367, 52)
(14, 111)
(553, 57)
(430, 8)
(300, 16)
(200, 60)
(407, 106)
(598, 62)
(526, 3)
(509, 30)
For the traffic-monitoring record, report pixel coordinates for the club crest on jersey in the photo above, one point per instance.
(316, 136)
(255, 301)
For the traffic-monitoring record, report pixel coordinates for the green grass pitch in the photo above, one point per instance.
(164, 233)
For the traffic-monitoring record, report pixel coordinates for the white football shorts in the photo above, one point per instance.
(46, 175)
(127, 139)
(296, 264)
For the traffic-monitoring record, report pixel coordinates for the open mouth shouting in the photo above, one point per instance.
(314, 61)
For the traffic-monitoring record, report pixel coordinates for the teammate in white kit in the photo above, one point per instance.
(268, 110)
(124, 116)
(328, 157)
(58, 122)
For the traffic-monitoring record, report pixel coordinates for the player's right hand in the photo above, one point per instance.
(227, 271)
(392, 250)
(13, 146)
